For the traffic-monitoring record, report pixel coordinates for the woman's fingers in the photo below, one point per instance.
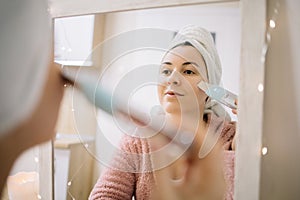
(234, 111)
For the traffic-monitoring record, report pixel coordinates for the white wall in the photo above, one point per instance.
(73, 39)
(223, 19)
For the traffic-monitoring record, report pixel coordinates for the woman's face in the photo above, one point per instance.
(179, 75)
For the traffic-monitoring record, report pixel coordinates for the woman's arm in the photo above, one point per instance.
(9, 151)
(114, 185)
(118, 181)
(38, 128)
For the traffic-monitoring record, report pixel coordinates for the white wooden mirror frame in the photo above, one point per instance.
(249, 141)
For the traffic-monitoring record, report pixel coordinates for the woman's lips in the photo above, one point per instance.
(173, 93)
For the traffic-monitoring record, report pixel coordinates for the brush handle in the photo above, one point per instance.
(219, 94)
(87, 80)
(223, 96)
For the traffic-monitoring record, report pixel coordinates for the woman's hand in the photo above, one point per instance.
(234, 111)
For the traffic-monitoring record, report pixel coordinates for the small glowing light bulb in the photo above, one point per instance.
(260, 87)
(73, 109)
(39, 196)
(272, 23)
(86, 145)
(36, 159)
(69, 183)
(264, 151)
(268, 36)
(263, 59)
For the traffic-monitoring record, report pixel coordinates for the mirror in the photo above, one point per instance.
(85, 135)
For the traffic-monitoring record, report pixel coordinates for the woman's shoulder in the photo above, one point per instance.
(136, 152)
(134, 144)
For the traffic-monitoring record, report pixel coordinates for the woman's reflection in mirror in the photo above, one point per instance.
(155, 167)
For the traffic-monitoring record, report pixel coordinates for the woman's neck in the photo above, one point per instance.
(194, 124)
(189, 121)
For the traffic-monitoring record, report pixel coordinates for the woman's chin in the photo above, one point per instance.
(170, 108)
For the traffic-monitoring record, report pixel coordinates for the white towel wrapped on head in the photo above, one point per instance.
(203, 41)
(24, 57)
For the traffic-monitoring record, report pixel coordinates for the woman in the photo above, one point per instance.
(31, 86)
(156, 172)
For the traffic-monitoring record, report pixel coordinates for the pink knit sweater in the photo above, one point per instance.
(123, 184)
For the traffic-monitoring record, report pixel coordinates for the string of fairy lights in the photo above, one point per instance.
(87, 147)
(37, 160)
(69, 184)
(271, 25)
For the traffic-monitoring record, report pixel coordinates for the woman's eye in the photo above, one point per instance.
(189, 72)
(166, 72)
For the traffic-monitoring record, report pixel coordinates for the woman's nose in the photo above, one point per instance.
(174, 79)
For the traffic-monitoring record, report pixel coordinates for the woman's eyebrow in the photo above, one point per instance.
(167, 63)
(190, 63)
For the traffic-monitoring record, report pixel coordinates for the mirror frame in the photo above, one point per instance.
(67, 8)
(252, 73)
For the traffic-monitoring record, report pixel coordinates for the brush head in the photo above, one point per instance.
(219, 94)
(203, 86)
(87, 80)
